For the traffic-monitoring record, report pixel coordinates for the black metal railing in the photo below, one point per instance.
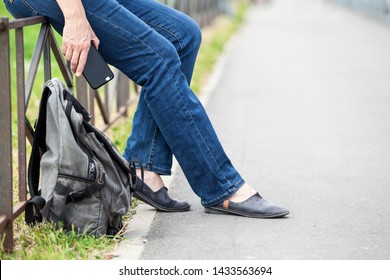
(46, 44)
(203, 11)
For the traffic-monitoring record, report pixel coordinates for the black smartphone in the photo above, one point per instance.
(96, 70)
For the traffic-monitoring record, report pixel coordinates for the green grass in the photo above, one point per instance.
(213, 43)
(45, 241)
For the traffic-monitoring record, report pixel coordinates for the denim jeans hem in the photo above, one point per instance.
(226, 195)
(155, 169)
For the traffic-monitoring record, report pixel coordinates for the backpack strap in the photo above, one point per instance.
(36, 203)
(77, 105)
(33, 210)
(133, 172)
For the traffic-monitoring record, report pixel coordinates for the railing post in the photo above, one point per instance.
(21, 94)
(82, 91)
(6, 185)
(46, 55)
(122, 89)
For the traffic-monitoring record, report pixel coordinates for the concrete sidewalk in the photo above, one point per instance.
(303, 110)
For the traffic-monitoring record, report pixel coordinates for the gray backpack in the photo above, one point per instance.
(86, 184)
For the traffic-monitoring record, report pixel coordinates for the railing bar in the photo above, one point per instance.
(4, 23)
(3, 222)
(29, 131)
(107, 101)
(82, 92)
(19, 23)
(102, 108)
(6, 186)
(121, 113)
(122, 91)
(91, 97)
(32, 72)
(61, 61)
(46, 56)
(19, 208)
(19, 42)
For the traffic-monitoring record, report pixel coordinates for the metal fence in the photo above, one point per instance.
(46, 43)
(377, 8)
(203, 11)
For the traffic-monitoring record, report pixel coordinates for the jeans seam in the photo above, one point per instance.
(30, 7)
(168, 31)
(151, 154)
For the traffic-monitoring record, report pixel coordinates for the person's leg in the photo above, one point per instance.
(146, 142)
(151, 60)
(180, 29)
(23, 9)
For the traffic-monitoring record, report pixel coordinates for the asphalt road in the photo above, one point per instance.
(303, 110)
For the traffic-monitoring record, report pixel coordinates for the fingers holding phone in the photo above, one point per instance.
(96, 70)
(77, 34)
(77, 37)
(82, 59)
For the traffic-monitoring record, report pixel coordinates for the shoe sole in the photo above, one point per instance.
(158, 207)
(222, 211)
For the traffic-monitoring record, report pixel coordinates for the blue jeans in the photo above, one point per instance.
(156, 46)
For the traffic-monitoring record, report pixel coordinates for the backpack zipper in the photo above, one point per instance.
(63, 175)
(100, 179)
(92, 171)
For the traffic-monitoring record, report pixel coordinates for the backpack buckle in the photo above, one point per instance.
(75, 196)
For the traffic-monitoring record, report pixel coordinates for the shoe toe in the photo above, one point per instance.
(180, 204)
(159, 199)
(274, 210)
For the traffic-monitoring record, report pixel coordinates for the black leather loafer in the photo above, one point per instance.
(159, 199)
(253, 207)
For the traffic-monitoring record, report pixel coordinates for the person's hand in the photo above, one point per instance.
(76, 41)
(77, 35)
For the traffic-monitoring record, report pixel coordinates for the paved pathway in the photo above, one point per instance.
(303, 110)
